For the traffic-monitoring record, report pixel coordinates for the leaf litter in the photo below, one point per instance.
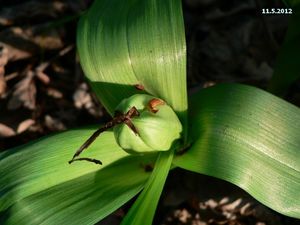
(42, 88)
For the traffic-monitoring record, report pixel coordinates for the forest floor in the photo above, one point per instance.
(43, 90)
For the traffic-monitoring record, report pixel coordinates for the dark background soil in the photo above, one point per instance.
(43, 90)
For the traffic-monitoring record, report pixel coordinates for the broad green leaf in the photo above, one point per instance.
(38, 186)
(250, 138)
(142, 212)
(287, 69)
(124, 43)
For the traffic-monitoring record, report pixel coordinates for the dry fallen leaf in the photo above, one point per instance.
(54, 93)
(81, 96)
(6, 131)
(83, 100)
(24, 125)
(2, 82)
(43, 77)
(54, 124)
(182, 215)
(3, 62)
(24, 93)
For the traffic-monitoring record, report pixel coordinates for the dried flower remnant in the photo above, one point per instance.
(141, 123)
(139, 87)
(153, 103)
(118, 119)
(158, 125)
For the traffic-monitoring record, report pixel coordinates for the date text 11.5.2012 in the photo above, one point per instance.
(277, 11)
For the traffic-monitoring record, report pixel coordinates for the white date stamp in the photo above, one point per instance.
(285, 11)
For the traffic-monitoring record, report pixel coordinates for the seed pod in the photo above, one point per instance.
(157, 125)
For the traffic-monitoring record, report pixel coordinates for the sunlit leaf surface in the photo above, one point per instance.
(142, 212)
(38, 186)
(250, 138)
(124, 43)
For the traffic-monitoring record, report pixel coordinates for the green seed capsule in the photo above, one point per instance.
(157, 125)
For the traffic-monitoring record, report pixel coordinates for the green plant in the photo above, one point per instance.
(235, 132)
